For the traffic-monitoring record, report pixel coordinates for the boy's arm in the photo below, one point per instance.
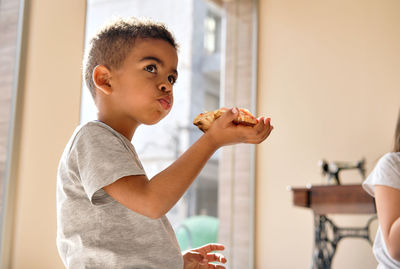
(387, 204)
(154, 198)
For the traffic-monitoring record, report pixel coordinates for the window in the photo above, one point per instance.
(212, 28)
(10, 49)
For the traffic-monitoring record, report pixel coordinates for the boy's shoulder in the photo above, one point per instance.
(93, 132)
(94, 125)
(94, 128)
(88, 129)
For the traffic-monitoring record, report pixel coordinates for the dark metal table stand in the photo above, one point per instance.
(327, 237)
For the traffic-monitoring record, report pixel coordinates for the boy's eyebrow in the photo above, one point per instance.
(156, 60)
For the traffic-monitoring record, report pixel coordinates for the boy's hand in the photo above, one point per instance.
(200, 258)
(224, 132)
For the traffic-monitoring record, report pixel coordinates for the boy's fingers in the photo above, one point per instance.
(267, 134)
(216, 257)
(210, 247)
(259, 130)
(195, 256)
(260, 126)
(218, 247)
(259, 134)
(229, 115)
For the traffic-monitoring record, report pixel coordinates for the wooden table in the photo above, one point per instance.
(334, 199)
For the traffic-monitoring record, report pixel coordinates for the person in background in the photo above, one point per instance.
(384, 184)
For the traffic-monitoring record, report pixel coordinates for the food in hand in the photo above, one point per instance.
(204, 120)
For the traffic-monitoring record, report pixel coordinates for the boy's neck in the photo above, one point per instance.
(122, 127)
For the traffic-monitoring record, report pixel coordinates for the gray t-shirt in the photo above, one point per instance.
(387, 173)
(94, 230)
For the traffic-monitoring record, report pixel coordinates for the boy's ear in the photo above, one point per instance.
(101, 78)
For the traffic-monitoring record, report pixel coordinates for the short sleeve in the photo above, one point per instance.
(386, 172)
(99, 157)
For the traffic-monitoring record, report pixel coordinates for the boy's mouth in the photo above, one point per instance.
(165, 102)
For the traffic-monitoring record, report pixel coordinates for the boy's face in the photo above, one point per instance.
(142, 86)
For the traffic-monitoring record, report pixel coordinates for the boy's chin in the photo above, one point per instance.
(154, 120)
(153, 117)
(151, 122)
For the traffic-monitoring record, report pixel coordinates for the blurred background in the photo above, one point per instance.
(326, 72)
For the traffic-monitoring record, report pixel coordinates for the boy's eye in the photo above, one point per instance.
(172, 79)
(151, 68)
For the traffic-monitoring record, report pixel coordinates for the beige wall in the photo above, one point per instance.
(48, 115)
(329, 78)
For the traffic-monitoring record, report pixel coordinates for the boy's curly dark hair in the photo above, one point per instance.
(113, 42)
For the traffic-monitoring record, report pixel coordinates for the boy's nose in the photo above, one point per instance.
(165, 88)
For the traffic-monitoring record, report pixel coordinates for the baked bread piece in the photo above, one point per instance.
(204, 120)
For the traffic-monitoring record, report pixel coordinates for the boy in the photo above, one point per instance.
(110, 215)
